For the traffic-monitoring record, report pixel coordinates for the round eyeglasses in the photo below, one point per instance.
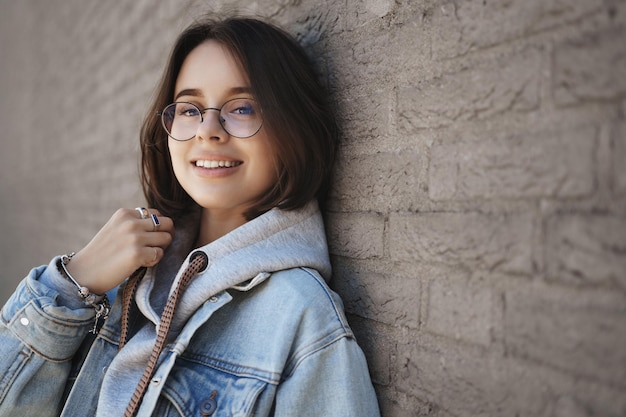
(240, 117)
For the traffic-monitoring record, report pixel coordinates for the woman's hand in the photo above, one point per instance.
(125, 243)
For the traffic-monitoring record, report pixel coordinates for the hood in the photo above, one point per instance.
(274, 241)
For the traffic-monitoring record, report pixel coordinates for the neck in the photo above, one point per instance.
(214, 225)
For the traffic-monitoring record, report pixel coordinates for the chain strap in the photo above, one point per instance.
(100, 303)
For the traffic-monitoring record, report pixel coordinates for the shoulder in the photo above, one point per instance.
(305, 293)
(302, 282)
(296, 304)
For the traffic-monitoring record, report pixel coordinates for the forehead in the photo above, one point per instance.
(212, 69)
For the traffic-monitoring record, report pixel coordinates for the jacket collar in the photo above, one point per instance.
(240, 260)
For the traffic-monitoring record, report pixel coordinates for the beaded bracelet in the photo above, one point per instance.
(99, 303)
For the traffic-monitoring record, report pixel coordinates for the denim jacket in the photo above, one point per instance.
(258, 333)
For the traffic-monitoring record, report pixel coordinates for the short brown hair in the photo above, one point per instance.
(297, 114)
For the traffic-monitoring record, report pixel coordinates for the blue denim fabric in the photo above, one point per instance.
(283, 348)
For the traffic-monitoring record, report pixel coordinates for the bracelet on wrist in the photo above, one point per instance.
(99, 303)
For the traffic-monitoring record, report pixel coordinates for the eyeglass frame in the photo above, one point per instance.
(202, 111)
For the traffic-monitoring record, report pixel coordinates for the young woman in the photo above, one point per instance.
(220, 302)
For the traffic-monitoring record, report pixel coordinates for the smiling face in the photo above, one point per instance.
(223, 174)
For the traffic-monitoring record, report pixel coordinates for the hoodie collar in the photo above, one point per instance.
(240, 260)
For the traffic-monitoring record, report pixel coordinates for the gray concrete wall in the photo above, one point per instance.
(478, 219)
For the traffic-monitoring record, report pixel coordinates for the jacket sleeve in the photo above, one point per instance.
(42, 325)
(333, 381)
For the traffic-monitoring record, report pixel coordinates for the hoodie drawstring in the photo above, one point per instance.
(198, 263)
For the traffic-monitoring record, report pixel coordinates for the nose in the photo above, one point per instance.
(210, 128)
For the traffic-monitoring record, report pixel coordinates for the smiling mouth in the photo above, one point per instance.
(217, 164)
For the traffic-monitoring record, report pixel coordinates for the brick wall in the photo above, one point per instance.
(478, 219)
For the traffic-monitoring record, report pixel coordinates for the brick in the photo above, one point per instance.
(581, 332)
(590, 67)
(461, 307)
(474, 382)
(469, 382)
(589, 399)
(619, 159)
(391, 298)
(410, 50)
(378, 344)
(356, 235)
(367, 117)
(587, 249)
(314, 25)
(380, 182)
(462, 26)
(369, 58)
(558, 163)
(360, 62)
(443, 171)
(509, 84)
(368, 11)
(403, 405)
(487, 241)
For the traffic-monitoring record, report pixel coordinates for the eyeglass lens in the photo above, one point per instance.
(239, 117)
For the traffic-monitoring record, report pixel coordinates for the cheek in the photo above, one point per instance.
(266, 152)
(270, 169)
(175, 155)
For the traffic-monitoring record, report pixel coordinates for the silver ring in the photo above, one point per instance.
(155, 222)
(143, 212)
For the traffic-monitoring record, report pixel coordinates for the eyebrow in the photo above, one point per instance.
(195, 92)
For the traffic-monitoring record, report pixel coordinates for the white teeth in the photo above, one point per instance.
(217, 164)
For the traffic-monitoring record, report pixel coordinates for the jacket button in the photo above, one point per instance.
(208, 405)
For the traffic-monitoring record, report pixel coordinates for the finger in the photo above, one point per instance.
(144, 212)
(152, 256)
(166, 224)
(154, 211)
(160, 239)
